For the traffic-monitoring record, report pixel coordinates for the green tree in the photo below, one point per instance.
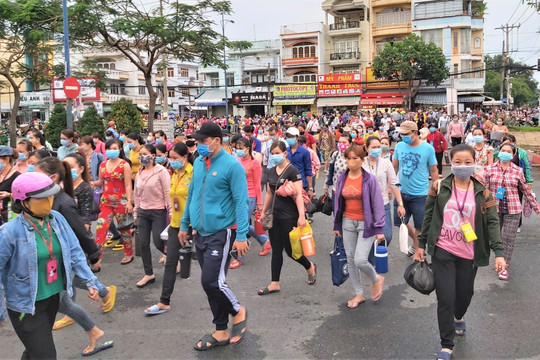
(26, 28)
(126, 116)
(409, 61)
(91, 122)
(57, 123)
(146, 34)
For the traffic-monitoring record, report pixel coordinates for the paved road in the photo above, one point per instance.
(313, 322)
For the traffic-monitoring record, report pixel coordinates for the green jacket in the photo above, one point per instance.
(486, 222)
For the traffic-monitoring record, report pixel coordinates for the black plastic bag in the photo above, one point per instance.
(419, 276)
(126, 223)
(328, 207)
(315, 206)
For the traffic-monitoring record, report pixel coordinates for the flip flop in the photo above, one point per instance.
(111, 243)
(267, 291)
(460, 327)
(443, 355)
(239, 329)
(99, 347)
(118, 247)
(109, 304)
(209, 339)
(125, 262)
(60, 324)
(155, 310)
(312, 278)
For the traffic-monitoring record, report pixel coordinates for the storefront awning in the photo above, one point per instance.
(382, 100)
(431, 99)
(338, 101)
(308, 101)
(471, 99)
(214, 97)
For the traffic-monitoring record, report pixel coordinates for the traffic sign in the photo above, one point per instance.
(72, 88)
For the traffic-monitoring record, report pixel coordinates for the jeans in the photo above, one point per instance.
(74, 311)
(454, 286)
(169, 274)
(151, 223)
(260, 238)
(357, 249)
(439, 157)
(415, 206)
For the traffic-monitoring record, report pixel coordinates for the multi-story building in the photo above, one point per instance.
(457, 27)
(390, 21)
(183, 82)
(249, 75)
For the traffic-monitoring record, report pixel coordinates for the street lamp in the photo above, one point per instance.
(223, 22)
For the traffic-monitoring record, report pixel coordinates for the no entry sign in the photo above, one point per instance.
(72, 88)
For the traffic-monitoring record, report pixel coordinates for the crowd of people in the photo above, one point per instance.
(206, 187)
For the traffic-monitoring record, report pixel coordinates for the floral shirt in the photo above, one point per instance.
(114, 188)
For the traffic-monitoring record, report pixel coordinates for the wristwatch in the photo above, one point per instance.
(311, 189)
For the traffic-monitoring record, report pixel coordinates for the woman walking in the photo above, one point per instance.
(8, 174)
(152, 208)
(483, 153)
(460, 227)
(359, 217)
(69, 146)
(288, 213)
(456, 131)
(327, 145)
(24, 147)
(504, 179)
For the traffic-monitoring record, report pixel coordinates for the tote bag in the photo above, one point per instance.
(338, 260)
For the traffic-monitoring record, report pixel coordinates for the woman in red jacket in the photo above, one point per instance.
(436, 139)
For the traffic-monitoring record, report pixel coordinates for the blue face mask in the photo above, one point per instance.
(204, 150)
(121, 138)
(370, 131)
(131, 146)
(28, 137)
(22, 156)
(2, 166)
(478, 138)
(353, 136)
(112, 154)
(260, 131)
(375, 153)
(432, 129)
(291, 141)
(225, 139)
(31, 168)
(64, 142)
(159, 140)
(406, 139)
(176, 164)
(277, 158)
(160, 159)
(240, 153)
(74, 174)
(505, 157)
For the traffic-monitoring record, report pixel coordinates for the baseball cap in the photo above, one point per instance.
(407, 126)
(293, 131)
(6, 150)
(208, 129)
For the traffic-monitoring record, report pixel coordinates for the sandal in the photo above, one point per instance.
(210, 339)
(265, 250)
(236, 264)
(109, 304)
(239, 329)
(60, 324)
(267, 291)
(312, 278)
(126, 260)
(443, 355)
(460, 327)
(118, 247)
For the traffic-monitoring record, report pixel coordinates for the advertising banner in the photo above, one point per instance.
(294, 91)
(330, 90)
(339, 78)
(89, 91)
(373, 83)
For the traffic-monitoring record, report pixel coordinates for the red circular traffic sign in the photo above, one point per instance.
(72, 88)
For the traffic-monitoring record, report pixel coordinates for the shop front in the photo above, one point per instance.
(295, 98)
(35, 106)
(339, 92)
(383, 100)
(251, 103)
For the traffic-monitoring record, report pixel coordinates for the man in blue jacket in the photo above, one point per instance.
(300, 159)
(217, 208)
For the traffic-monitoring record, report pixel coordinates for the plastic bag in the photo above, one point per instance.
(296, 244)
(419, 276)
(338, 260)
(165, 234)
(126, 223)
(403, 237)
(328, 207)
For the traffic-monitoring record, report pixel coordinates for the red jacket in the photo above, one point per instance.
(437, 140)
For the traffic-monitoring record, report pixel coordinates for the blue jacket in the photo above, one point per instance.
(18, 262)
(217, 197)
(301, 160)
(372, 203)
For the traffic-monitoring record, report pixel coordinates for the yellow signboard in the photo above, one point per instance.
(295, 91)
(373, 83)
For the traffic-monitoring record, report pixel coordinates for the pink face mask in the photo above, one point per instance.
(342, 147)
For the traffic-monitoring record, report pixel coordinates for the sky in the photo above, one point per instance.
(262, 20)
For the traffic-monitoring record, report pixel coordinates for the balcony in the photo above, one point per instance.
(377, 3)
(393, 18)
(116, 74)
(341, 28)
(345, 58)
(300, 62)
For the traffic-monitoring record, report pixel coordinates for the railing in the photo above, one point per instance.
(394, 18)
(345, 56)
(346, 25)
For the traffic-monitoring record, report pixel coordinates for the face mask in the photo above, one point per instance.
(64, 142)
(159, 140)
(274, 137)
(31, 168)
(160, 159)
(499, 123)
(112, 154)
(145, 160)
(375, 153)
(291, 141)
(455, 119)
(385, 148)
(41, 207)
(277, 158)
(108, 138)
(370, 131)
(432, 129)
(121, 138)
(131, 146)
(176, 164)
(28, 137)
(407, 139)
(260, 131)
(74, 174)
(94, 141)
(381, 128)
(225, 139)
(505, 157)
(342, 147)
(353, 136)
(204, 150)
(2, 166)
(463, 172)
(302, 132)
(240, 153)
(190, 143)
(478, 138)
(22, 156)
(149, 139)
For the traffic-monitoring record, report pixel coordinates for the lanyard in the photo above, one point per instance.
(48, 244)
(376, 166)
(462, 206)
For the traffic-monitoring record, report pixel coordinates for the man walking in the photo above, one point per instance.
(217, 208)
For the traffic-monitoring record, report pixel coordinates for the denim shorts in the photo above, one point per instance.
(415, 206)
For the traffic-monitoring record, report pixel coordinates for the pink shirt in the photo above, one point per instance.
(451, 238)
(253, 170)
(315, 161)
(152, 189)
(455, 129)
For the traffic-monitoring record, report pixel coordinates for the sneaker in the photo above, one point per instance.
(519, 230)
(504, 275)
(411, 251)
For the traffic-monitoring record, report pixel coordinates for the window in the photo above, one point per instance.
(478, 72)
(185, 93)
(230, 79)
(123, 89)
(347, 45)
(185, 72)
(434, 9)
(304, 76)
(432, 36)
(214, 81)
(142, 90)
(477, 43)
(465, 41)
(456, 68)
(304, 49)
(106, 66)
(112, 66)
(197, 74)
(259, 78)
(171, 93)
(346, 69)
(466, 65)
(455, 35)
(114, 89)
(170, 72)
(160, 73)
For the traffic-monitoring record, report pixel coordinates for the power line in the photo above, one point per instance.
(517, 7)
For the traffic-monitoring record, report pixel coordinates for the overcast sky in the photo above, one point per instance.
(262, 19)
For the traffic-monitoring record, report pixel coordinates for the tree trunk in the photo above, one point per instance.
(14, 111)
(152, 97)
(409, 95)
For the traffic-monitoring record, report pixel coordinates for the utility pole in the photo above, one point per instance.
(69, 111)
(165, 106)
(269, 93)
(505, 71)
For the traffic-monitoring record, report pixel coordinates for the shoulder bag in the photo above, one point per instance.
(268, 218)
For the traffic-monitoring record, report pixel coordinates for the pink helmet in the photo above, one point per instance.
(33, 185)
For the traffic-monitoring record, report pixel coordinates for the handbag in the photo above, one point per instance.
(126, 223)
(95, 204)
(338, 261)
(419, 276)
(268, 218)
(403, 237)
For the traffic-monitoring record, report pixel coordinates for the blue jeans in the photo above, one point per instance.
(252, 205)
